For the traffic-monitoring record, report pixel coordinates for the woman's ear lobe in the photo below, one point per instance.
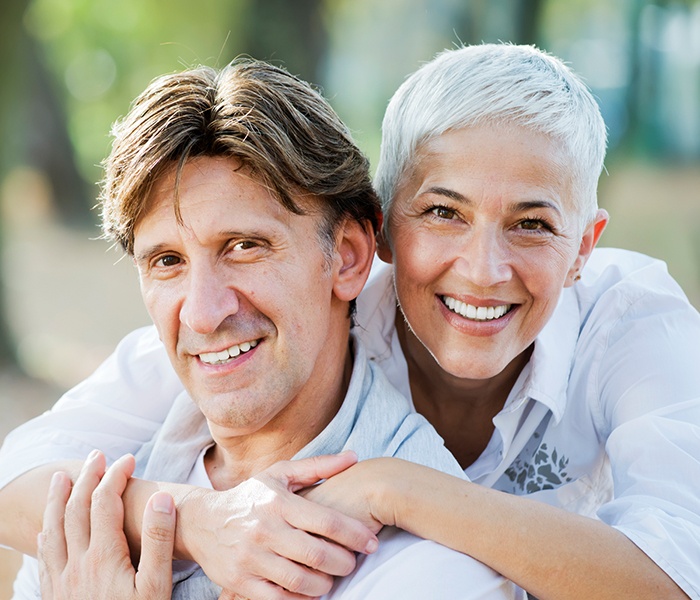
(355, 247)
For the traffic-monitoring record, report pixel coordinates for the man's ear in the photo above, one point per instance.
(590, 238)
(383, 248)
(354, 252)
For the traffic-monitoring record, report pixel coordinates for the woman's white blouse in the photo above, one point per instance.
(604, 421)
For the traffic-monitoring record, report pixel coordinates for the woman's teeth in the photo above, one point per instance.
(475, 313)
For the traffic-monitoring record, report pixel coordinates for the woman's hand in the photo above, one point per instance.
(261, 540)
(360, 492)
(83, 551)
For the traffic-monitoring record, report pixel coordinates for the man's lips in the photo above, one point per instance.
(475, 313)
(217, 358)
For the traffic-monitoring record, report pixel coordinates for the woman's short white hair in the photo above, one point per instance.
(500, 85)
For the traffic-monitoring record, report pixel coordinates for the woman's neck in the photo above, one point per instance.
(461, 410)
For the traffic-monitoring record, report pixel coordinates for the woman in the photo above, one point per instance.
(574, 386)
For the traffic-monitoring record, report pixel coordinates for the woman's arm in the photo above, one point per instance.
(117, 409)
(549, 552)
(249, 539)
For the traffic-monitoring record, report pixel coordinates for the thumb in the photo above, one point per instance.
(309, 471)
(154, 578)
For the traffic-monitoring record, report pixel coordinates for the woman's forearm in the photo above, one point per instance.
(23, 501)
(22, 504)
(549, 552)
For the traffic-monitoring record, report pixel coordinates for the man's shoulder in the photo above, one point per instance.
(387, 421)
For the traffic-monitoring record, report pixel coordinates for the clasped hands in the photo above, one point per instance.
(258, 540)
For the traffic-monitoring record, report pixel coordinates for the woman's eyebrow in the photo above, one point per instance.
(452, 194)
(530, 204)
(520, 206)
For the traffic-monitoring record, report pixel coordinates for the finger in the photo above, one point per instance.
(107, 508)
(261, 588)
(308, 471)
(154, 576)
(297, 578)
(45, 585)
(77, 519)
(332, 525)
(51, 542)
(314, 552)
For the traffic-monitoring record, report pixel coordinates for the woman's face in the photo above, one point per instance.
(484, 237)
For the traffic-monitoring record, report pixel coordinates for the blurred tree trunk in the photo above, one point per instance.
(517, 21)
(34, 132)
(11, 12)
(292, 34)
(527, 26)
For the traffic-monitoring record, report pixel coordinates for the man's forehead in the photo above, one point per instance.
(215, 197)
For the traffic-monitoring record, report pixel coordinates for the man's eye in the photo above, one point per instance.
(443, 212)
(168, 261)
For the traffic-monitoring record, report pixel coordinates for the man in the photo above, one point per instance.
(250, 215)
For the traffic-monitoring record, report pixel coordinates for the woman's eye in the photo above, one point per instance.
(534, 225)
(244, 245)
(443, 212)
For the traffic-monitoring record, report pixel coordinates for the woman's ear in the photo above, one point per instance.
(354, 252)
(590, 238)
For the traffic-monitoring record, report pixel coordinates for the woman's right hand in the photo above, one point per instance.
(261, 540)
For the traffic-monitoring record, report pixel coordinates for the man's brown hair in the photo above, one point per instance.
(276, 125)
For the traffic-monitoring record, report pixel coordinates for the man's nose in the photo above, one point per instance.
(208, 301)
(484, 258)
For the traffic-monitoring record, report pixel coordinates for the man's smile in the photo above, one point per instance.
(217, 358)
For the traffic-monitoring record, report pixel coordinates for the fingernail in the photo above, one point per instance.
(372, 546)
(162, 503)
(93, 455)
(55, 480)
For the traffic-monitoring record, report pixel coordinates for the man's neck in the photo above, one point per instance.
(235, 458)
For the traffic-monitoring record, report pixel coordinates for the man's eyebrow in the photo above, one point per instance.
(147, 253)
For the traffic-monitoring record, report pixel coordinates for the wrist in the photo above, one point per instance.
(190, 508)
(384, 495)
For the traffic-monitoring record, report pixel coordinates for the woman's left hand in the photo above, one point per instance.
(357, 492)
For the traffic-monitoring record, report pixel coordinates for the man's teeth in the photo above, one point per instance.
(476, 313)
(214, 358)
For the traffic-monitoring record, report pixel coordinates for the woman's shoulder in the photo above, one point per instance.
(620, 278)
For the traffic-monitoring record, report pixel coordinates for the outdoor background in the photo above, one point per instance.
(69, 68)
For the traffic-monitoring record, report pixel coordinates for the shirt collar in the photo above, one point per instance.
(553, 355)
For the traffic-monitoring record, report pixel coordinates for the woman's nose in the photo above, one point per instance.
(484, 259)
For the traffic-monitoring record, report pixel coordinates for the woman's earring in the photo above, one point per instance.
(577, 278)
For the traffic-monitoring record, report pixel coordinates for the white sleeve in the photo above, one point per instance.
(411, 568)
(647, 379)
(117, 409)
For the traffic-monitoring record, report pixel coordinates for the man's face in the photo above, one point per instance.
(241, 294)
